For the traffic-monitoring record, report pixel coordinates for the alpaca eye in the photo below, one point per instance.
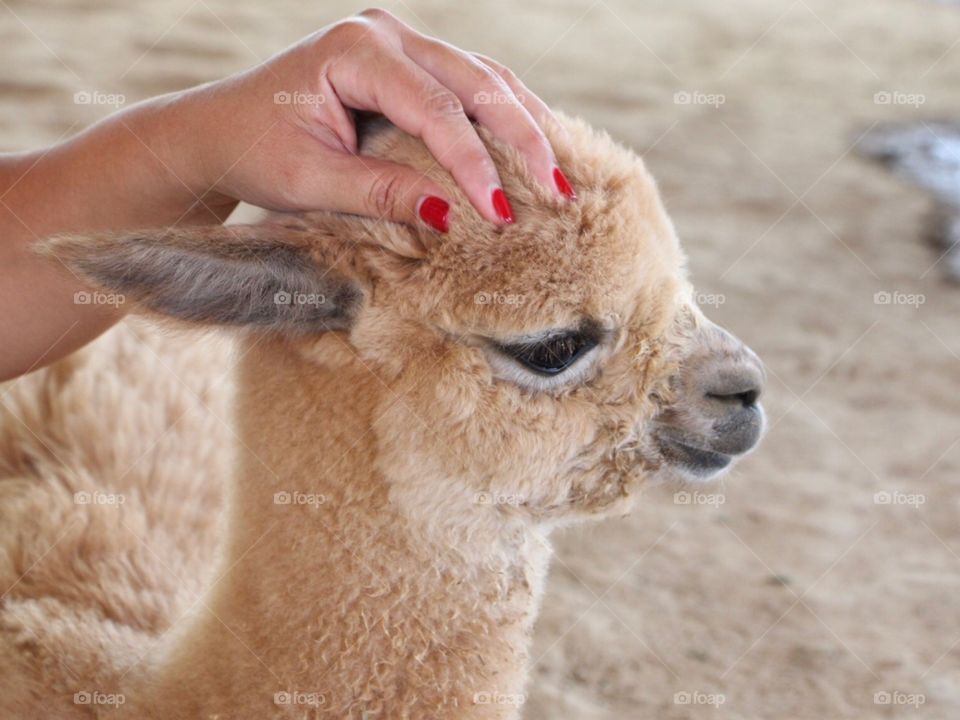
(552, 355)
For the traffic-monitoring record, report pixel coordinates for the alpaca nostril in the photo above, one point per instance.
(744, 398)
(737, 386)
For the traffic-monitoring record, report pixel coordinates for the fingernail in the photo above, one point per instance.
(502, 206)
(563, 185)
(434, 212)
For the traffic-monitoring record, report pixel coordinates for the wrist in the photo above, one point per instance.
(182, 133)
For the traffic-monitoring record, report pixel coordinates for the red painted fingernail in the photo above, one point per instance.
(502, 206)
(563, 185)
(434, 212)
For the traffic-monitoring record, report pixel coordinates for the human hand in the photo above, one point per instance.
(285, 137)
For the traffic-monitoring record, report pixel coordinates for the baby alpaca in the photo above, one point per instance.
(408, 428)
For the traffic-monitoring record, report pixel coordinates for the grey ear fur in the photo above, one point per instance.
(256, 276)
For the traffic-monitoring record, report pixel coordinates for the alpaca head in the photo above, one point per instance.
(542, 371)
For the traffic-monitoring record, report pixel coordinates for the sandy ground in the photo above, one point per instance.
(794, 590)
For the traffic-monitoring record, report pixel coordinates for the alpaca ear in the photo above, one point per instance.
(257, 276)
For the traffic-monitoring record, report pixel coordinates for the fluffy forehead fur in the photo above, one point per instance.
(605, 256)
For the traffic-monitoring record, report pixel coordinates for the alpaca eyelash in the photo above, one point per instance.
(552, 355)
(506, 363)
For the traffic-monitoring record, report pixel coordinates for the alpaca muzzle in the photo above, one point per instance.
(716, 416)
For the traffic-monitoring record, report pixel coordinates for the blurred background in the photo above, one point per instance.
(822, 579)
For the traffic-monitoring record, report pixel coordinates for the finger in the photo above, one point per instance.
(414, 101)
(488, 98)
(383, 190)
(537, 108)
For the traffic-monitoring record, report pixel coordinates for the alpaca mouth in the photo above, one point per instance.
(699, 461)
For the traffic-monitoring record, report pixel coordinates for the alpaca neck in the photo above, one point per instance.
(335, 592)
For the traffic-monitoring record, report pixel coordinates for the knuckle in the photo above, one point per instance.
(533, 140)
(476, 156)
(383, 196)
(474, 65)
(377, 14)
(505, 73)
(443, 104)
(488, 79)
(369, 27)
(508, 75)
(350, 31)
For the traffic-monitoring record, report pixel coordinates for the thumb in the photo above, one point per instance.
(386, 190)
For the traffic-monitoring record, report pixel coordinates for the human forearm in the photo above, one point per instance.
(131, 170)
